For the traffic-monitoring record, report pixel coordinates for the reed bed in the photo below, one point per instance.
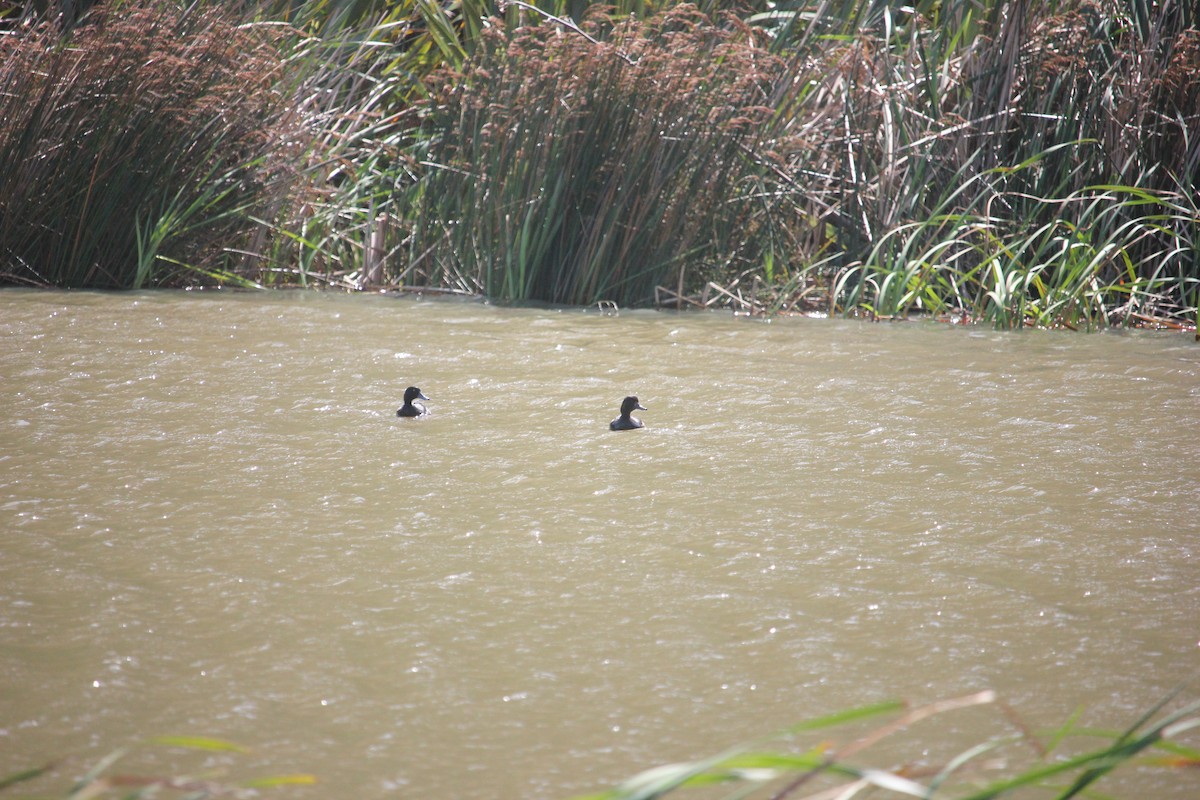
(131, 148)
(1016, 164)
(569, 169)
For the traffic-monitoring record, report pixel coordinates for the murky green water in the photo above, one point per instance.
(213, 524)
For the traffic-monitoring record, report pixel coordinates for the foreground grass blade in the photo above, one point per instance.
(199, 743)
(26, 775)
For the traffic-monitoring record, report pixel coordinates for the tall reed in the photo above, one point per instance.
(578, 165)
(1065, 139)
(1019, 163)
(129, 146)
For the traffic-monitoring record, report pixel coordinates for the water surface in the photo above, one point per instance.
(213, 524)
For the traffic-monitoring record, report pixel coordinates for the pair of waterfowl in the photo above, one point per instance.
(625, 422)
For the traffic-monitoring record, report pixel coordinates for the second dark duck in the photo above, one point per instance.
(627, 422)
(411, 407)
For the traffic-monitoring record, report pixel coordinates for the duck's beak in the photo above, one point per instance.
(641, 407)
(421, 395)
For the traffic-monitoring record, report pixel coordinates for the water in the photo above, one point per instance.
(213, 524)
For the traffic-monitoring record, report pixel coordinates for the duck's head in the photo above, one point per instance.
(631, 404)
(413, 393)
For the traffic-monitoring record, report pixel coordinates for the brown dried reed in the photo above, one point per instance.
(143, 123)
(575, 168)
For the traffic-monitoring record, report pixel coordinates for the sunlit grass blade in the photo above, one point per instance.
(199, 743)
(299, 779)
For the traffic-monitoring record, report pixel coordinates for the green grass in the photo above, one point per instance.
(829, 756)
(1062, 763)
(1112, 258)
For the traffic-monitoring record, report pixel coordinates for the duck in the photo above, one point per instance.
(411, 407)
(625, 422)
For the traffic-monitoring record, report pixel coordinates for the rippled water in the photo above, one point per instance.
(213, 524)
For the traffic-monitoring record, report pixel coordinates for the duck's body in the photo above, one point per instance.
(626, 422)
(411, 407)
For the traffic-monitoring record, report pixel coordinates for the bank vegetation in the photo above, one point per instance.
(1017, 164)
(833, 756)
